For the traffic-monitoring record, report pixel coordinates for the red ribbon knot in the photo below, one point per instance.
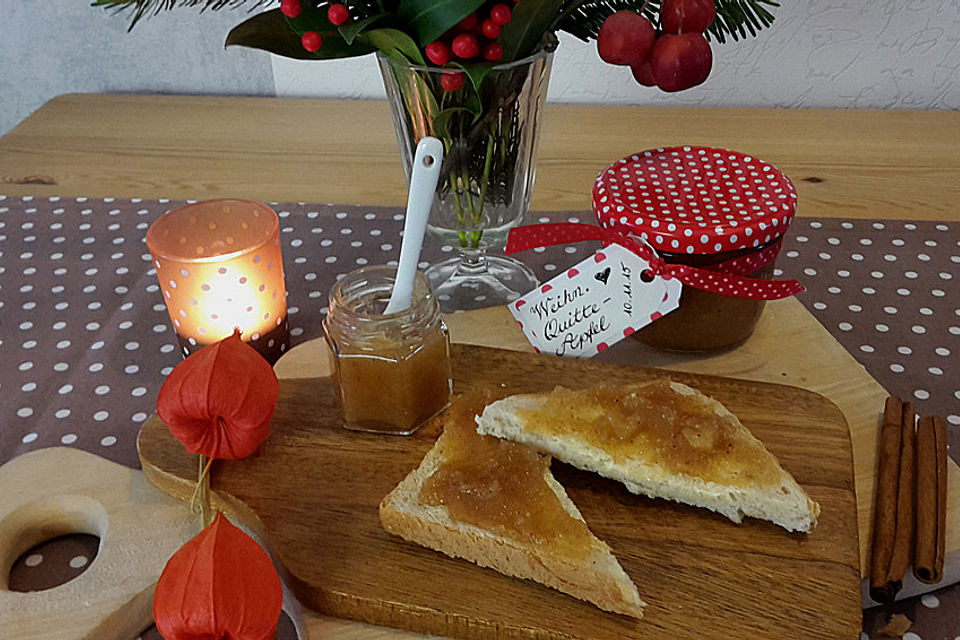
(724, 278)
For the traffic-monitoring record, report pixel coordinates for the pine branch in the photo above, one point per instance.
(140, 8)
(583, 18)
(736, 19)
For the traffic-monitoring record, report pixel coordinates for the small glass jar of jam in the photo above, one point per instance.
(392, 370)
(713, 209)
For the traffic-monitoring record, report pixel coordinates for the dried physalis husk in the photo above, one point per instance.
(219, 401)
(220, 584)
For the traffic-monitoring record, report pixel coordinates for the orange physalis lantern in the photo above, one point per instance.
(220, 584)
(219, 401)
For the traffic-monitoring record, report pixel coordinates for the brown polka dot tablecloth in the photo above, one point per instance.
(85, 341)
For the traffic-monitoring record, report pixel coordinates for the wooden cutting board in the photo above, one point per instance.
(316, 489)
(57, 491)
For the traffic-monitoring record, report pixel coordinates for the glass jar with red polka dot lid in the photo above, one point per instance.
(714, 209)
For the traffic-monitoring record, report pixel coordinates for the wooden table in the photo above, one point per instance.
(866, 164)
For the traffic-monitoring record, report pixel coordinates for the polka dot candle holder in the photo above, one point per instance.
(220, 268)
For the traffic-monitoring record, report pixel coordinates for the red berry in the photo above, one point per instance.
(452, 81)
(291, 8)
(467, 23)
(338, 14)
(681, 61)
(490, 29)
(311, 41)
(643, 74)
(465, 46)
(683, 16)
(501, 14)
(625, 37)
(437, 53)
(493, 51)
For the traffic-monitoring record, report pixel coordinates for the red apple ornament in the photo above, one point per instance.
(686, 16)
(625, 38)
(643, 74)
(681, 61)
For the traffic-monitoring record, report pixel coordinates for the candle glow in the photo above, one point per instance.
(219, 268)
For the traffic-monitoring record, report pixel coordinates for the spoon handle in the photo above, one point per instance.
(423, 184)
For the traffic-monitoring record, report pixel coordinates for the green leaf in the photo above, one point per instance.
(272, 31)
(351, 30)
(476, 71)
(391, 41)
(430, 19)
(442, 121)
(268, 31)
(532, 19)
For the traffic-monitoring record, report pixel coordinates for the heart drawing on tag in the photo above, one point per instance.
(603, 276)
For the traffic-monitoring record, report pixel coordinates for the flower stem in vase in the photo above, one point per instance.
(488, 125)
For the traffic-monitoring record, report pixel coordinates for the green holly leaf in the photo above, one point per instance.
(476, 71)
(430, 19)
(532, 19)
(274, 32)
(268, 31)
(392, 42)
(351, 30)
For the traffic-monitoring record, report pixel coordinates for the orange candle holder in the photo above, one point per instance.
(220, 268)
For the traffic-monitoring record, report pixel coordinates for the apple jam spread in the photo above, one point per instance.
(655, 424)
(392, 370)
(501, 486)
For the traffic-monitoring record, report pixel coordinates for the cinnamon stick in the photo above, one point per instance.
(894, 503)
(931, 498)
(906, 499)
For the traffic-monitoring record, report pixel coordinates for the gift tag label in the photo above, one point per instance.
(594, 304)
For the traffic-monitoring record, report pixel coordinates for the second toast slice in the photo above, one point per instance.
(662, 439)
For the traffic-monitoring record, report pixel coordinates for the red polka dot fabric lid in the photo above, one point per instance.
(695, 199)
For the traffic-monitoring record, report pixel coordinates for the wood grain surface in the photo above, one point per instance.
(316, 488)
(788, 347)
(845, 163)
(60, 490)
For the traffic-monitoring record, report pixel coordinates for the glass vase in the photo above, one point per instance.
(489, 127)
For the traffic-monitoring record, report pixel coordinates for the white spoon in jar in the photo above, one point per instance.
(423, 184)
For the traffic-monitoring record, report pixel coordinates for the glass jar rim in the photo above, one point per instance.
(543, 53)
(387, 273)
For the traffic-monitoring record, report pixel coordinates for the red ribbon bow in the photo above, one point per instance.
(723, 278)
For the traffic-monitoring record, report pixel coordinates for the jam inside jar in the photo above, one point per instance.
(707, 321)
(392, 370)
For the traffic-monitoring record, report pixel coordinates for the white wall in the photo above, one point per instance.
(888, 54)
(900, 54)
(49, 47)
